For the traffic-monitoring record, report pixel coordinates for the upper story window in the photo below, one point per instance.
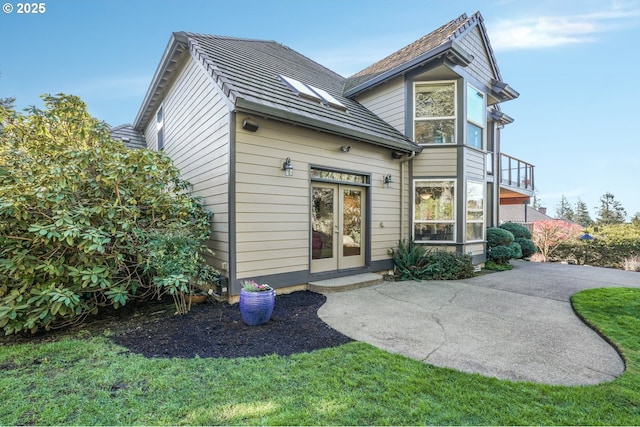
(160, 128)
(435, 113)
(476, 117)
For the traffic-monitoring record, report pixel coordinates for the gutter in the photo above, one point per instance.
(250, 107)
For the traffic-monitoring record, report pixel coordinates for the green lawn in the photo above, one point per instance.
(89, 380)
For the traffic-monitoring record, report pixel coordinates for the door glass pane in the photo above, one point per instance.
(352, 223)
(322, 223)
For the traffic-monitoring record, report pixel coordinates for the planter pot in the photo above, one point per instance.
(196, 299)
(256, 307)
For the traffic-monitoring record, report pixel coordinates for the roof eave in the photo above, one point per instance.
(502, 91)
(451, 50)
(178, 43)
(251, 107)
(501, 117)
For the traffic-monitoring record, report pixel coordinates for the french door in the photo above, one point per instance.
(338, 227)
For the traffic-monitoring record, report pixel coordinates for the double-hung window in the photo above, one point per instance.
(435, 113)
(476, 117)
(434, 212)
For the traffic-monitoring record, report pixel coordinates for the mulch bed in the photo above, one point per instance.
(211, 330)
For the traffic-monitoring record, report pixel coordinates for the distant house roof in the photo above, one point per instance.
(127, 134)
(440, 42)
(521, 213)
(247, 71)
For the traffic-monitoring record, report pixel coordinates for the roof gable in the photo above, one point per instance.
(447, 41)
(248, 71)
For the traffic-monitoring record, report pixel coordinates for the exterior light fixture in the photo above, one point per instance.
(345, 148)
(388, 181)
(249, 125)
(287, 167)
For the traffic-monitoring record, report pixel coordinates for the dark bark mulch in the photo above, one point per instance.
(217, 330)
(209, 330)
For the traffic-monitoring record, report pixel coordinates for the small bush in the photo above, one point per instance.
(500, 254)
(516, 250)
(414, 262)
(501, 246)
(528, 247)
(409, 259)
(443, 265)
(518, 230)
(499, 237)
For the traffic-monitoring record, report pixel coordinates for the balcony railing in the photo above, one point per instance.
(516, 173)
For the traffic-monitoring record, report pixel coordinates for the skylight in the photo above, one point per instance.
(312, 92)
(300, 88)
(328, 98)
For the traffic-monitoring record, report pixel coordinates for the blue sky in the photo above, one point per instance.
(575, 64)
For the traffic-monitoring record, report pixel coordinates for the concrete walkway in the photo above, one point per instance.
(516, 325)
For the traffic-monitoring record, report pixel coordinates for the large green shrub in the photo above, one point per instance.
(414, 262)
(76, 214)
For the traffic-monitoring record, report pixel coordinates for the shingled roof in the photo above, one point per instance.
(440, 42)
(247, 71)
(127, 134)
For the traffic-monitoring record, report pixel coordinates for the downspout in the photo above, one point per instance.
(402, 164)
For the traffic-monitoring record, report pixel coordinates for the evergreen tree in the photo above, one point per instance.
(636, 219)
(537, 202)
(564, 210)
(610, 210)
(581, 215)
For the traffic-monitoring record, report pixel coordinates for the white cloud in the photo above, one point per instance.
(551, 31)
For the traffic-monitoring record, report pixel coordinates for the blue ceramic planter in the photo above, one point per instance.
(256, 307)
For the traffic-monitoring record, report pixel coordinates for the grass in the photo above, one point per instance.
(88, 380)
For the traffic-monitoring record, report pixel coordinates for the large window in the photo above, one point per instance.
(434, 210)
(476, 117)
(435, 113)
(475, 211)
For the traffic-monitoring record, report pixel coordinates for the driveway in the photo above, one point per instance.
(516, 325)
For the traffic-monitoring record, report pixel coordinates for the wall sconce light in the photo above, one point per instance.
(287, 167)
(388, 181)
(249, 125)
(345, 148)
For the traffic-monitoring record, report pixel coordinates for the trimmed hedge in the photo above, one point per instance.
(598, 252)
